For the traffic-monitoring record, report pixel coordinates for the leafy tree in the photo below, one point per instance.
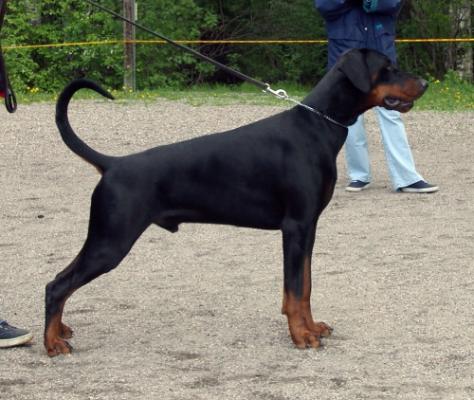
(434, 19)
(51, 21)
(274, 19)
(163, 64)
(58, 21)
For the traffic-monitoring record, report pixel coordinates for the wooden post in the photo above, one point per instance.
(129, 79)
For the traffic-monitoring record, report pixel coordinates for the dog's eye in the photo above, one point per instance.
(391, 69)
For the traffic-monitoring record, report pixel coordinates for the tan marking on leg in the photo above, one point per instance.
(52, 341)
(318, 328)
(65, 331)
(304, 331)
(56, 332)
(284, 305)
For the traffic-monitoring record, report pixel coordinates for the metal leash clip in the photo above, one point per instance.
(280, 93)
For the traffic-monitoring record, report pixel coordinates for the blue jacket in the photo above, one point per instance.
(359, 24)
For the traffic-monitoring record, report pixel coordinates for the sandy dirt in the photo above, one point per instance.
(196, 314)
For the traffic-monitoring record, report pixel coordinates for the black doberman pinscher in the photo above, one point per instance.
(277, 173)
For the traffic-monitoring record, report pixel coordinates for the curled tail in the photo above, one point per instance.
(98, 160)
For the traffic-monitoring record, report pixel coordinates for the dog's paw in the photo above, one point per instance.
(305, 338)
(320, 329)
(307, 333)
(58, 346)
(65, 332)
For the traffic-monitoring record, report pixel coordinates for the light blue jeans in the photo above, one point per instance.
(401, 165)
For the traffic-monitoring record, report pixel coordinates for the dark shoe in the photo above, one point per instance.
(419, 187)
(11, 336)
(357, 186)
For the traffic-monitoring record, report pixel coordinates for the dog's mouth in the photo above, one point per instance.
(393, 103)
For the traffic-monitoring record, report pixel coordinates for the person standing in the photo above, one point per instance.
(371, 24)
(9, 335)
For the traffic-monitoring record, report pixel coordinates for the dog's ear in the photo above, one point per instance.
(354, 66)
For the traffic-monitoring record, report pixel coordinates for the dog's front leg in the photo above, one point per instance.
(298, 241)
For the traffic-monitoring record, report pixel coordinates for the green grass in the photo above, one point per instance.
(451, 94)
(196, 95)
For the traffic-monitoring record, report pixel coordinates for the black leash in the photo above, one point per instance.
(280, 93)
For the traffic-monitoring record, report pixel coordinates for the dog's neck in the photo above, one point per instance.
(330, 97)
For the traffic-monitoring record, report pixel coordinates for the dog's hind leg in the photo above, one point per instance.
(113, 229)
(298, 241)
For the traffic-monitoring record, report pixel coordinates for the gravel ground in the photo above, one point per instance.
(196, 315)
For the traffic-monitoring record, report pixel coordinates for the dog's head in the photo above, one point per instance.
(382, 82)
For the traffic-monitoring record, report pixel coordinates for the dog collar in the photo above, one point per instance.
(317, 112)
(281, 94)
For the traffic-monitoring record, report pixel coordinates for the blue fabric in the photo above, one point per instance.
(397, 150)
(364, 24)
(370, 24)
(370, 5)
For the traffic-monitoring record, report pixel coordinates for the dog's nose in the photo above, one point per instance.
(423, 84)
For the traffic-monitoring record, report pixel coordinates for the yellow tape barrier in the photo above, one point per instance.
(214, 42)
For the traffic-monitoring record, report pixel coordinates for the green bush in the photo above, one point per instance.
(57, 21)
